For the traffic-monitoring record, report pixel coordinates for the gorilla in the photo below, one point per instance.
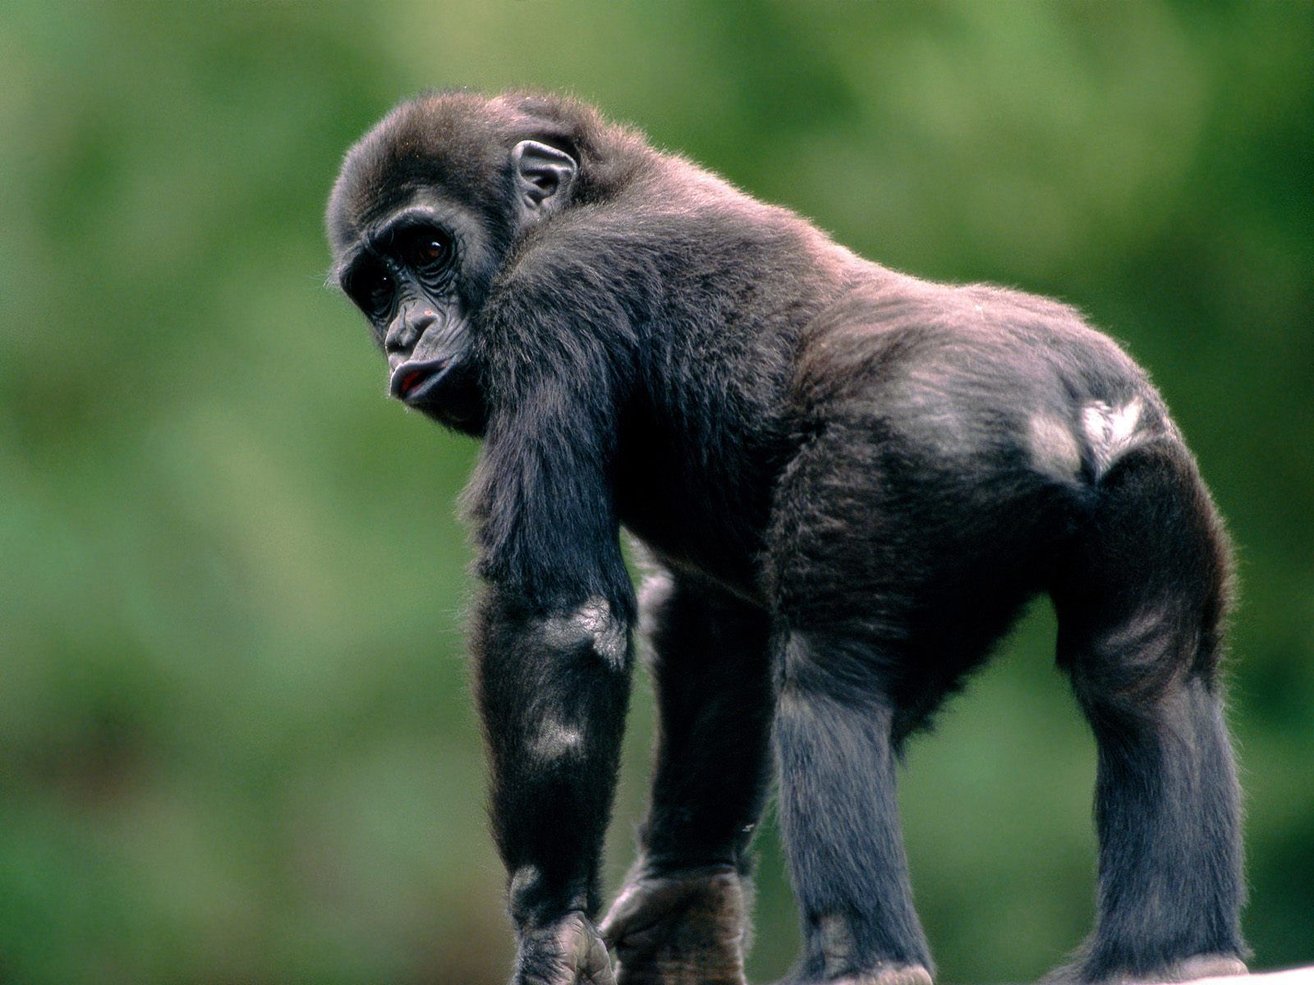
(848, 482)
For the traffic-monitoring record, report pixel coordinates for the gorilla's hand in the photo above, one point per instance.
(569, 952)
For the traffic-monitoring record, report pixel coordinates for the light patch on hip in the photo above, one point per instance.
(1053, 446)
(1111, 431)
(591, 622)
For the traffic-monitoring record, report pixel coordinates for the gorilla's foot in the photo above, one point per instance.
(891, 974)
(1186, 970)
(686, 928)
(900, 974)
(1204, 966)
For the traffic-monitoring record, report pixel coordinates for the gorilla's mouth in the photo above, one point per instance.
(412, 382)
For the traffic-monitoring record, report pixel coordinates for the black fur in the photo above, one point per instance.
(851, 482)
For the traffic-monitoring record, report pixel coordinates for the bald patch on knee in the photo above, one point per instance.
(593, 623)
(557, 740)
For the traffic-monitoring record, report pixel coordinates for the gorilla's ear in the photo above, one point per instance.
(543, 174)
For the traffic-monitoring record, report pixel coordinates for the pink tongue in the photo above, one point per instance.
(411, 379)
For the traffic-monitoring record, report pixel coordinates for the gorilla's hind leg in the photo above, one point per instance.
(1140, 611)
(839, 818)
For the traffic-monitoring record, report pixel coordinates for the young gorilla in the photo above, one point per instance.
(852, 482)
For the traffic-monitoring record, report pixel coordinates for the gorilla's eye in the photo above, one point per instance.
(427, 251)
(372, 288)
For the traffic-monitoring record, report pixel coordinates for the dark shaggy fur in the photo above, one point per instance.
(850, 482)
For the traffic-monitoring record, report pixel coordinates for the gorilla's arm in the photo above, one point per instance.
(552, 650)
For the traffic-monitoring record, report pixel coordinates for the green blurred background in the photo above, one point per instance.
(235, 736)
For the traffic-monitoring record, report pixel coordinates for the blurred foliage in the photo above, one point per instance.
(235, 735)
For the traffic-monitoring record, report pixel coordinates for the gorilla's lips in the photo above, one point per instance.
(412, 382)
(442, 388)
